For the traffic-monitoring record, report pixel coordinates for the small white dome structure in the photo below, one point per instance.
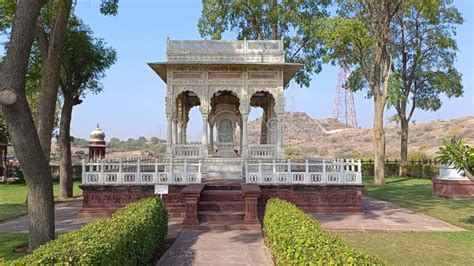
(97, 144)
(97, 134)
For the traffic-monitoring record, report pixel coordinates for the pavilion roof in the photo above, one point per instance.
(289, 69)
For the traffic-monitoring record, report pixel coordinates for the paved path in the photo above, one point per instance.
(383, 216)
(217, 247)
(65, 216)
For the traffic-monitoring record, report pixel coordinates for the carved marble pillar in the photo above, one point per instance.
(169, 135)
(263, 126)
(180, 132)
(211, 138)
(205, 147)
(175, 131)
(279, 136)
(244, 136)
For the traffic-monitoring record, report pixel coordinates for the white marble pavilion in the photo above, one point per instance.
(225, 78)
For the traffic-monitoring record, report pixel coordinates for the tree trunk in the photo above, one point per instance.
(379, 137)
(403, 145)
(65, 175)
(49, 83)
(21, 127)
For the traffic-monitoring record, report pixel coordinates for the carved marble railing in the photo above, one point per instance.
(220, 50)
(308, 172)
(262, 150)
(140, 172)
(187, 150)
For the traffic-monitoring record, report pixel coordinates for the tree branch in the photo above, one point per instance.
(42, 39)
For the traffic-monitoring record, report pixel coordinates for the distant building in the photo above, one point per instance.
(97, 144)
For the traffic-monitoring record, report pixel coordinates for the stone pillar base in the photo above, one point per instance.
(251, 193)
(191, 195)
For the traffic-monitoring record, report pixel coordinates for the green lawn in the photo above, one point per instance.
(11, 241)
(12, 199)
(415, 194)
(418, 248)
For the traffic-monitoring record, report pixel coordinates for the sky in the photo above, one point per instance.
(132, 103)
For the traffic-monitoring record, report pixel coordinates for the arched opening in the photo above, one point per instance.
(262, 103)
(188, 118)
(224, 119)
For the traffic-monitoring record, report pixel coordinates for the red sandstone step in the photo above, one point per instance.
(221, 206)
(221, 195)
(222, 187)
(209, 216)
(232, 225)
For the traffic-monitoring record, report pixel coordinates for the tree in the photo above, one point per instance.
(50, 46)
(359, 38)
(50, 34)
(18, 116)
(21, 127)
(83, 63)
(423, 51)
(271, 19)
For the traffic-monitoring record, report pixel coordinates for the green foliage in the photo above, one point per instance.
(417, 156)
(296, 238)
(83, 60)
(458, 154)
(424, 52)
(291, 20)
(129, 237)
(155, 145)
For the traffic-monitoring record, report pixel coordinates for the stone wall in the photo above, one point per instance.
(324, 198)
(104, 200)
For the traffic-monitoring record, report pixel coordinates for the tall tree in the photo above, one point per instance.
(359, 38)
(50, 34)
(83, 63)
(20, 123)
(424, 51)
(51, 46)
(271, 19)
(20, 20)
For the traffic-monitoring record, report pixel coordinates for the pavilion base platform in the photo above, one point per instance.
(453, 189)
(223, 203)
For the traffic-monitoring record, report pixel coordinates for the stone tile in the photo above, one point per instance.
(219, 247)
(383, 216)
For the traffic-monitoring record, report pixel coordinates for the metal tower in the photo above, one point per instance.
(344, 107)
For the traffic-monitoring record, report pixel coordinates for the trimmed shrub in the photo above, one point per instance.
(129, 237)
(296, 238)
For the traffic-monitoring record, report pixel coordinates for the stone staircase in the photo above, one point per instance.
(221, 204)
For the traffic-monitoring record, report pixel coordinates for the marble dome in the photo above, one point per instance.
(97, 134)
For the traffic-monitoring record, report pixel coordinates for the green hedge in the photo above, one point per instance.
(129, 237)
(296, 238)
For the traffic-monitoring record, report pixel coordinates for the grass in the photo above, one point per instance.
(418, 248)
(13, 197)
(415, 194)
(11, 241)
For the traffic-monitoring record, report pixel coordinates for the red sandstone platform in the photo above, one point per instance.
(453, 189)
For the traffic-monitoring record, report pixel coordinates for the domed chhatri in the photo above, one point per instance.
(97, 134)
(97, 144)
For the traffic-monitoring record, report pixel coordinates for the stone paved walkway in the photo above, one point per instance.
(383, 216)
(65, 216)
(217, 247)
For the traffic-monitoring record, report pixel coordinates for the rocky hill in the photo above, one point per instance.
(305, 136)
